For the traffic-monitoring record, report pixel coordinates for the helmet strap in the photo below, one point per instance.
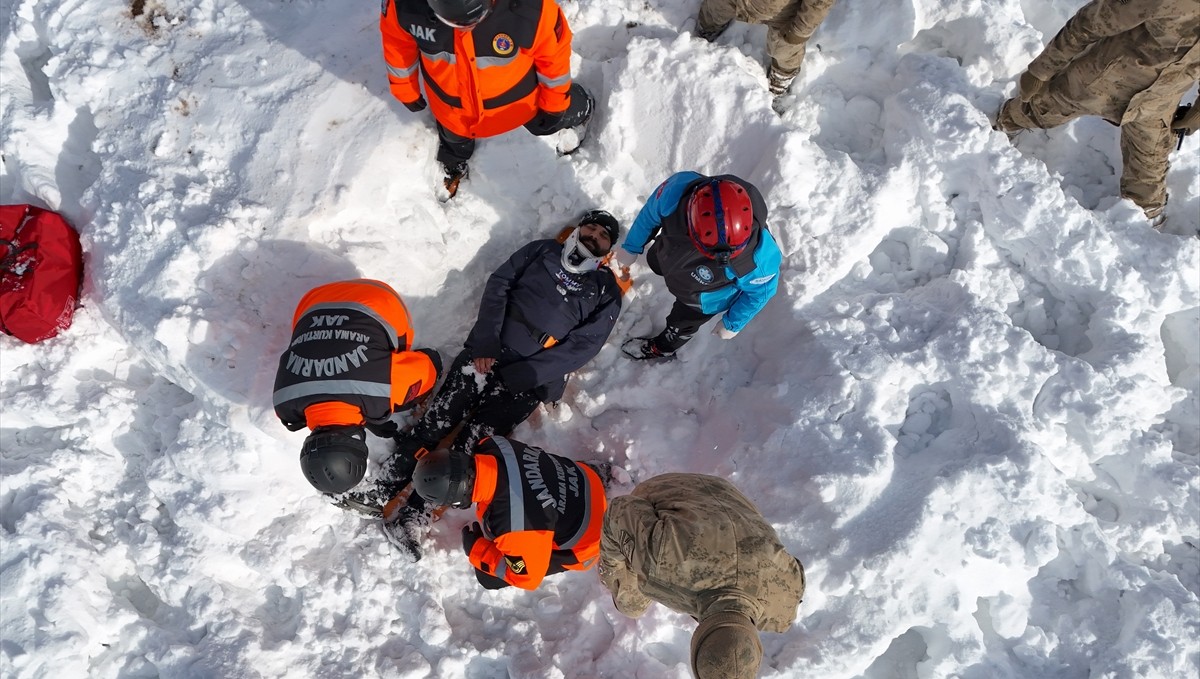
(719, 213)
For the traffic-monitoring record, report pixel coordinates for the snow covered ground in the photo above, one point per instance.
(973, 410)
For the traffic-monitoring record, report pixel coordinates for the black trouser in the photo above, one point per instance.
(484, 410)
(682, 324)
(453, 149)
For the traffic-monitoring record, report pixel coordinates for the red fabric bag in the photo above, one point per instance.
(41, 269)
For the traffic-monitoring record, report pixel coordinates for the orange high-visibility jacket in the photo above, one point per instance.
(541, 514)
(348, 361)
(484, 81)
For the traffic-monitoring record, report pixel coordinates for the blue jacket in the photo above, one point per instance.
(541, 322)
(741, 289)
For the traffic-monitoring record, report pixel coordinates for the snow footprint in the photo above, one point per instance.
(434, 628)
(928, 416)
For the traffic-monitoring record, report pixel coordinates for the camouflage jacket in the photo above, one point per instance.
(1125, 59)
(698, 546)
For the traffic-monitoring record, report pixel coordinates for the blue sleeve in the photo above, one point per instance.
(661, 203)
(484, 340)
(757, 287)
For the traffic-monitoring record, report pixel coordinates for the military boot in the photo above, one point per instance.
(778, 81)
(711, 33)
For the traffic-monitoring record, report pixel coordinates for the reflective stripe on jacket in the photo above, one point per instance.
(350, 344)
(541, 513)
(484, 81)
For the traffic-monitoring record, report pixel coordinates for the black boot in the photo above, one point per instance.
(394, 478)
(711, 34)
(645, 349)
(455, 174)
(403, 526)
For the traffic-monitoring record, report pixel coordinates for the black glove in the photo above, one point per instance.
(470, 534)
(386, 429)
(416, 106)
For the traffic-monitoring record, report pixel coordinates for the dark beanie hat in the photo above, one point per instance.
(603, 218)
(725, 646)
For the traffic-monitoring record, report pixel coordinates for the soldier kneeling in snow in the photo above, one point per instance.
(539, 514)
(347, 368)
(696, 545)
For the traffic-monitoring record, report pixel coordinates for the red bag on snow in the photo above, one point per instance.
(41, 268)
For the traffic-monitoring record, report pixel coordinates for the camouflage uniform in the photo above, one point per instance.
(1129, 61)
(790, 23)
(695, 544)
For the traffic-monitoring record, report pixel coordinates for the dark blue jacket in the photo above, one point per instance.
(542, 322)
(740, 289)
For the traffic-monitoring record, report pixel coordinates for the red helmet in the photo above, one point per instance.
(720, 218)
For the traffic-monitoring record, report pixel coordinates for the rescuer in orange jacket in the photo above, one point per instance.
(347, 368)
(488, 67)
(539, 514)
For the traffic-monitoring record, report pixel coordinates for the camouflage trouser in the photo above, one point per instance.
(787, 56)
(1145, 144)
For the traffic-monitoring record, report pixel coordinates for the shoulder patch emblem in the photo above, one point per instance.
(703, 274)
(503, 44)
(515, 564)
(761, 279)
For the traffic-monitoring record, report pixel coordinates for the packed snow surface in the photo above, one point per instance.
(972, 410)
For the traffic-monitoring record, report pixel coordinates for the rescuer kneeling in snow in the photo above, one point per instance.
(539, 514)
(348, 368)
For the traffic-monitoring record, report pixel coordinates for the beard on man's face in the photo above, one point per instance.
(592, 245)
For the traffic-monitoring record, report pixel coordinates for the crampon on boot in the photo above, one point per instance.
(370, 500)
(405, 521)
(645, 349)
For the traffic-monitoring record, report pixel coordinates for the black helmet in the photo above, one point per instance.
(461, 13)
(334, 459)
(445, 477)
(606, 220)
